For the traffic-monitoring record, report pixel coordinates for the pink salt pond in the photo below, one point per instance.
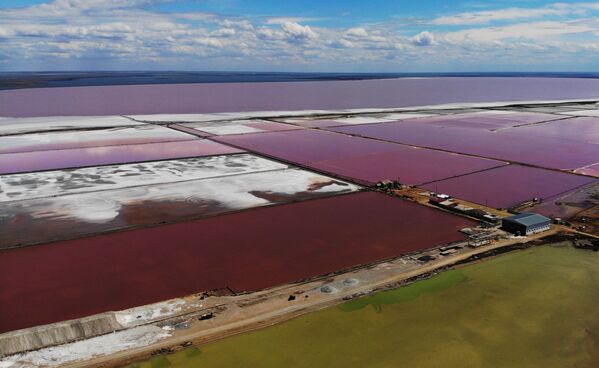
(507, 186)
(365, 161)
(81, 157)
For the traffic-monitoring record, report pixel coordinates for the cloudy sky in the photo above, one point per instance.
(299, 35)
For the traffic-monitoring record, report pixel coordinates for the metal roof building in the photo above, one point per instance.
(525, 223)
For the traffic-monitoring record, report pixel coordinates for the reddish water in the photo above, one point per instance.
(248, 250)
(514, 118)
(306, 146)
(487, 120)
(11, 163)
(509, 185)
(363, 160)
(583, 130)
(225, 97)
(407, 165)
(509, 144)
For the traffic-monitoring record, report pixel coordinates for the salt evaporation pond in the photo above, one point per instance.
(583, 130)
(366, 161)
(138, 134)
(529, 309)
(508, 186)
(11, 163)
(57, 205)
(245, 251)
(509, 144)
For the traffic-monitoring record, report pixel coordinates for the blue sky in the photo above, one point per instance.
(294, 35)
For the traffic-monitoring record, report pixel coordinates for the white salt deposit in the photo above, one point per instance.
(233, 192)
(229, 129)
(50, 123)
(590, 113)
(148, 313)
(362, 120)
(86, 349)
(63, 182)
(407, 115)
(102, 137)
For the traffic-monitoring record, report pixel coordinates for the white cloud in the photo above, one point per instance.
(243, 24)
(497, 15)
(342, 44)
(516, 14)
(64, 8)
(297, 32)
(6, 32)
(207, 41)
(357, 32)
(224, 32)
(266, 33)
(523, 31)
(423, 39)
(283, 20)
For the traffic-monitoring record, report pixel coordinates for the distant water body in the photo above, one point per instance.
(286, 95)
(17, 80)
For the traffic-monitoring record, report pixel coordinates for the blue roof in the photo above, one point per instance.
(528, 219)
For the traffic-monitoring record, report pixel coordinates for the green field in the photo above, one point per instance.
(532, 308)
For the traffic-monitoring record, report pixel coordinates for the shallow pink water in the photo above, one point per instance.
(305, 146)
(507, 186)
(11, 163)
(487, 120)
(582, 130)
(510, 144)
(363, 160)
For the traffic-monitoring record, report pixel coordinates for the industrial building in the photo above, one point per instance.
(525, 223)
